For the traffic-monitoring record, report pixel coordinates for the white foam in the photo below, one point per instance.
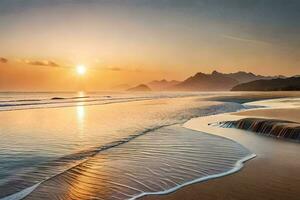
(22, 194)
(238, 165)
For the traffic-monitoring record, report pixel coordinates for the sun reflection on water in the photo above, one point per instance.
(80, 111)
(81, 94)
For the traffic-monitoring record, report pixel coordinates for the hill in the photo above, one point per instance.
(140, 88)
(243, 77)
(207, 82)
(279, 84)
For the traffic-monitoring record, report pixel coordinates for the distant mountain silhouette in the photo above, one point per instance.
(279, 84)
(243, 77)
(207, 82)
(215, 81)
(140, 88)
(162, 84)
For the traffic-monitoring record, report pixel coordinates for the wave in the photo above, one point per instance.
(182, 157)
(60, 101)
(19, 100)
(58, 166)
(63, 98)
(71, 103)
(45, 99)
(22, 194)
(238, 165)
(52, 169)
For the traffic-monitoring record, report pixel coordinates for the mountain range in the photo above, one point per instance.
(207, 82)
(216, 81)
(244, 77)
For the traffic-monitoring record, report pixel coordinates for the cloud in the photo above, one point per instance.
(245, 40)
(113, 69)
(47, 63)
(3, 60)
(121, 69)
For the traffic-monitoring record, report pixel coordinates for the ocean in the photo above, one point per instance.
(106, 145)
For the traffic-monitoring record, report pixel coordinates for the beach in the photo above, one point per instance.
(170, 147)
(145, 99)
(272, 174)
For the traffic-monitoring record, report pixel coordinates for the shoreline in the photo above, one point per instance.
(24, 194)
(266, 169)
(238, 166)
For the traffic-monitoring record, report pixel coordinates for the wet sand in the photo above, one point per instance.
(281, 114)
(273, 174)
(259, 179)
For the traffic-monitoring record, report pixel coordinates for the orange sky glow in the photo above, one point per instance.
(135, 42)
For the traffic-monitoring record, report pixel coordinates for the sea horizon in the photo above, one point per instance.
(149, 100)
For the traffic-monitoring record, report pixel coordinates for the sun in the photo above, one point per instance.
(80, 69)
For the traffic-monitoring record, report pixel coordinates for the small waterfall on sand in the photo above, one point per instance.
(269, 127)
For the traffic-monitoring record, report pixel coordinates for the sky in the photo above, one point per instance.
(136, 41)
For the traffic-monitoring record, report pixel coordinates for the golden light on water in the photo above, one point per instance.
(80, 111)
(81, 94)
(80, 69)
